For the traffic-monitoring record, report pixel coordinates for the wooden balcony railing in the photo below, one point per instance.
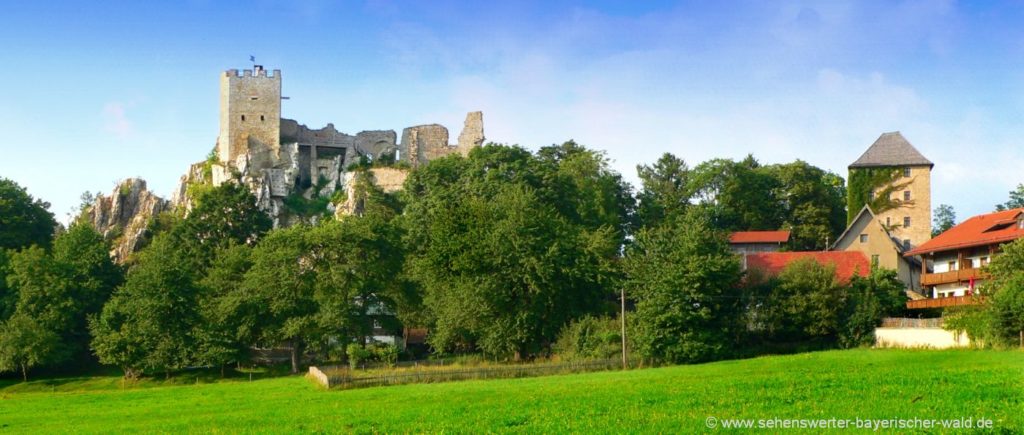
(951, 301)
(962, 275)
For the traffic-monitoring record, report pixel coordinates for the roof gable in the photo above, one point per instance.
(867, 216)
(891, 149)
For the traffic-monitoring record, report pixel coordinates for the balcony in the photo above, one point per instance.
(943, 302)
(962, 275)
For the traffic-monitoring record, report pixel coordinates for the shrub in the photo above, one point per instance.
(589, 338)
(386, 353)
(357, 355)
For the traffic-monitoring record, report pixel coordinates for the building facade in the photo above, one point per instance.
(959, 256)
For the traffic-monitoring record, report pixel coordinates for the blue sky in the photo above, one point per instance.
(93, 92)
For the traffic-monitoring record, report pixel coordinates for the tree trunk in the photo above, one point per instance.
(295, 356)
(222, 370)
(24, 373)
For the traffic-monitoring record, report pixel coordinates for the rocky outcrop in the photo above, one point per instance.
(124, 215)
(198, 173)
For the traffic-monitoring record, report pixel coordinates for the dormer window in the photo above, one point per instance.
(906, 172)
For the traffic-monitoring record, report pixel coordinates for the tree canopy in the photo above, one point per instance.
(24, 220)
(508, 246)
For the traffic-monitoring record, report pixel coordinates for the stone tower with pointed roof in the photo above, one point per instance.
(894, 178)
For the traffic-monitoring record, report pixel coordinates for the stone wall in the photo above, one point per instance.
(472, 132)
(919, 208)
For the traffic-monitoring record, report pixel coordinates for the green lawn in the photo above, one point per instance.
(877, 384)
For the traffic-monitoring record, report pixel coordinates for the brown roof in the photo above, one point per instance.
(980, 230)
(847, 263)
(759, 237)
(891, 149)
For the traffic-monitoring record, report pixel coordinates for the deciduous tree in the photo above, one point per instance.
(684, 280)
(25, 343)
(24, 220)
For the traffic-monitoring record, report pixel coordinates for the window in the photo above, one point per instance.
(254, 98)
(863, 238)
(951, 266)
(906, 222)
(906, 244)
(888, 221)
(906, 172)
(871, 194)
(984, 261)
(906, 193)
(262, 119)
(243, 117)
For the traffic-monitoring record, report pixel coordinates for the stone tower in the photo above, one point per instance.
(907, 175)
(250, 113)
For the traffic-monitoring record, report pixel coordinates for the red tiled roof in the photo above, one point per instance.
(759, 237)
(980, 230)
(847, 263)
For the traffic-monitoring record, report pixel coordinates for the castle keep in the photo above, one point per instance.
(250, 113)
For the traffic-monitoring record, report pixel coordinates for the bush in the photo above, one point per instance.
(357, 355)
(870, 300)
(386, 353)
(589, 338)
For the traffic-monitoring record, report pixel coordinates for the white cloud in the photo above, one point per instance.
(115, 120)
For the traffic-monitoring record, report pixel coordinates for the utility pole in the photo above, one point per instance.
(622, 318)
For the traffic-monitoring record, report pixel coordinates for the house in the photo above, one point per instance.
(847, 263)
(908, 211)
(959, 256)
(867, 235)
(742, 242)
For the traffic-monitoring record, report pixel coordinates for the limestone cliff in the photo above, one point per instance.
(123, 216)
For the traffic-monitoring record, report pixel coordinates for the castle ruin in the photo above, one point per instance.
(278, 157)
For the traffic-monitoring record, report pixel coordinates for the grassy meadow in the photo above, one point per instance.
(877, 384)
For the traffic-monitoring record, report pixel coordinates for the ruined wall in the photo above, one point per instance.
(423, 143)
(387, 179)
(472, 132)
